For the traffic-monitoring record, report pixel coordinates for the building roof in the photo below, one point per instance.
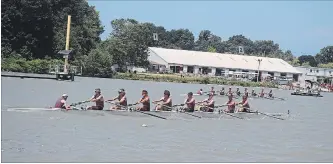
(218, 60)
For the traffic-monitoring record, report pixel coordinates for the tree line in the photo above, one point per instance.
(36, 29)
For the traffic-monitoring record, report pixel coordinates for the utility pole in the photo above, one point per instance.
(67, 42)
(259, 60)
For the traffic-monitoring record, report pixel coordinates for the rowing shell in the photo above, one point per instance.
(165, 114)
(195, 114)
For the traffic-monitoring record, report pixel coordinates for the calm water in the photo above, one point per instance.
(56, 136)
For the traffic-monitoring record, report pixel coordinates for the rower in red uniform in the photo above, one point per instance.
(262, 93)
(245, 106)
(121, 100)
(208, 104)
(190, 103)
(166, 100)
(61, 102)
(98, 99)
(200, 92)
(231, 105)
(145, 101)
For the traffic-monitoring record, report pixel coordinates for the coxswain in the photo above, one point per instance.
(253, 93)
(245, 107)
(270, 94)
(208, 104)
(61, 102)
(145, 101)
(262, 93)
(190, 103)
(231, 105)
(121, 100)
(222, 92)
(238, 92)
(246, 93)
(212, 90)
(166, 102)
(98, 99)
(200, 92)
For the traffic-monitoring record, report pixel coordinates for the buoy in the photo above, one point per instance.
(144, 125)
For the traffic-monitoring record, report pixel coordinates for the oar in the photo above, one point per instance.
(145, 112)
(188, 113)
(222, 111)
(280, 98)
(265, 114)
(228, 113)
(180, 111)
(77, 103)
(128, 105)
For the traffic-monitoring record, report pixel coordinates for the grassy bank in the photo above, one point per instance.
(41, 66)
(189, 79)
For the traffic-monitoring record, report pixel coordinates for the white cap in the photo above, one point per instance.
(64, 95)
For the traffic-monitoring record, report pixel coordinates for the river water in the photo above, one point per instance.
(56, 136)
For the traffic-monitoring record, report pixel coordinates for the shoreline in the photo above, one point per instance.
(174, 78)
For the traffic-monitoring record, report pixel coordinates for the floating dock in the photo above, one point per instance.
(28, 75)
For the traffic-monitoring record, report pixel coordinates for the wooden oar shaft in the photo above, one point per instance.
(179, 111)
(265, 114)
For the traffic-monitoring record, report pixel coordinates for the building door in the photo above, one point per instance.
(295, 77)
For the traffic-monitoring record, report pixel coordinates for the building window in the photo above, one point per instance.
(317, 71)
(190, 69)
(283, 74)
(330, 72)
(310, 70)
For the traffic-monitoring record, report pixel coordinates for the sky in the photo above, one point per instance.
(304, 27)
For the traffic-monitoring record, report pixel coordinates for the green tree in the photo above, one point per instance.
(325, 55)
(211, 49)
(308, 59)
(37, 28)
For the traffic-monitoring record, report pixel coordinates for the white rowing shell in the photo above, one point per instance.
(32, 109)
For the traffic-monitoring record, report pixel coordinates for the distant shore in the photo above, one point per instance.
(162, 78)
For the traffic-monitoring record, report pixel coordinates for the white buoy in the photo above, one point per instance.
(144, 125)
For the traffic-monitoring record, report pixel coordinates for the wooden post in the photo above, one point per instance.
(67, 42)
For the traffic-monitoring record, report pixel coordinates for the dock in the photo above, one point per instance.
(28, 75)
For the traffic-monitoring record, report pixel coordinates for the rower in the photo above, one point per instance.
(121, 100)
(253, 93)
(245, 107)
(238, 92)
(231, 105)
(208, 104)
(222, 91)
(166, 102)
(61, 102)
(262, 93)
(270, 94)
(200, 92)
(190, 103)
(246, 93)
(98, 99)
(229, 91)
(212, 90)
(145, 101)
